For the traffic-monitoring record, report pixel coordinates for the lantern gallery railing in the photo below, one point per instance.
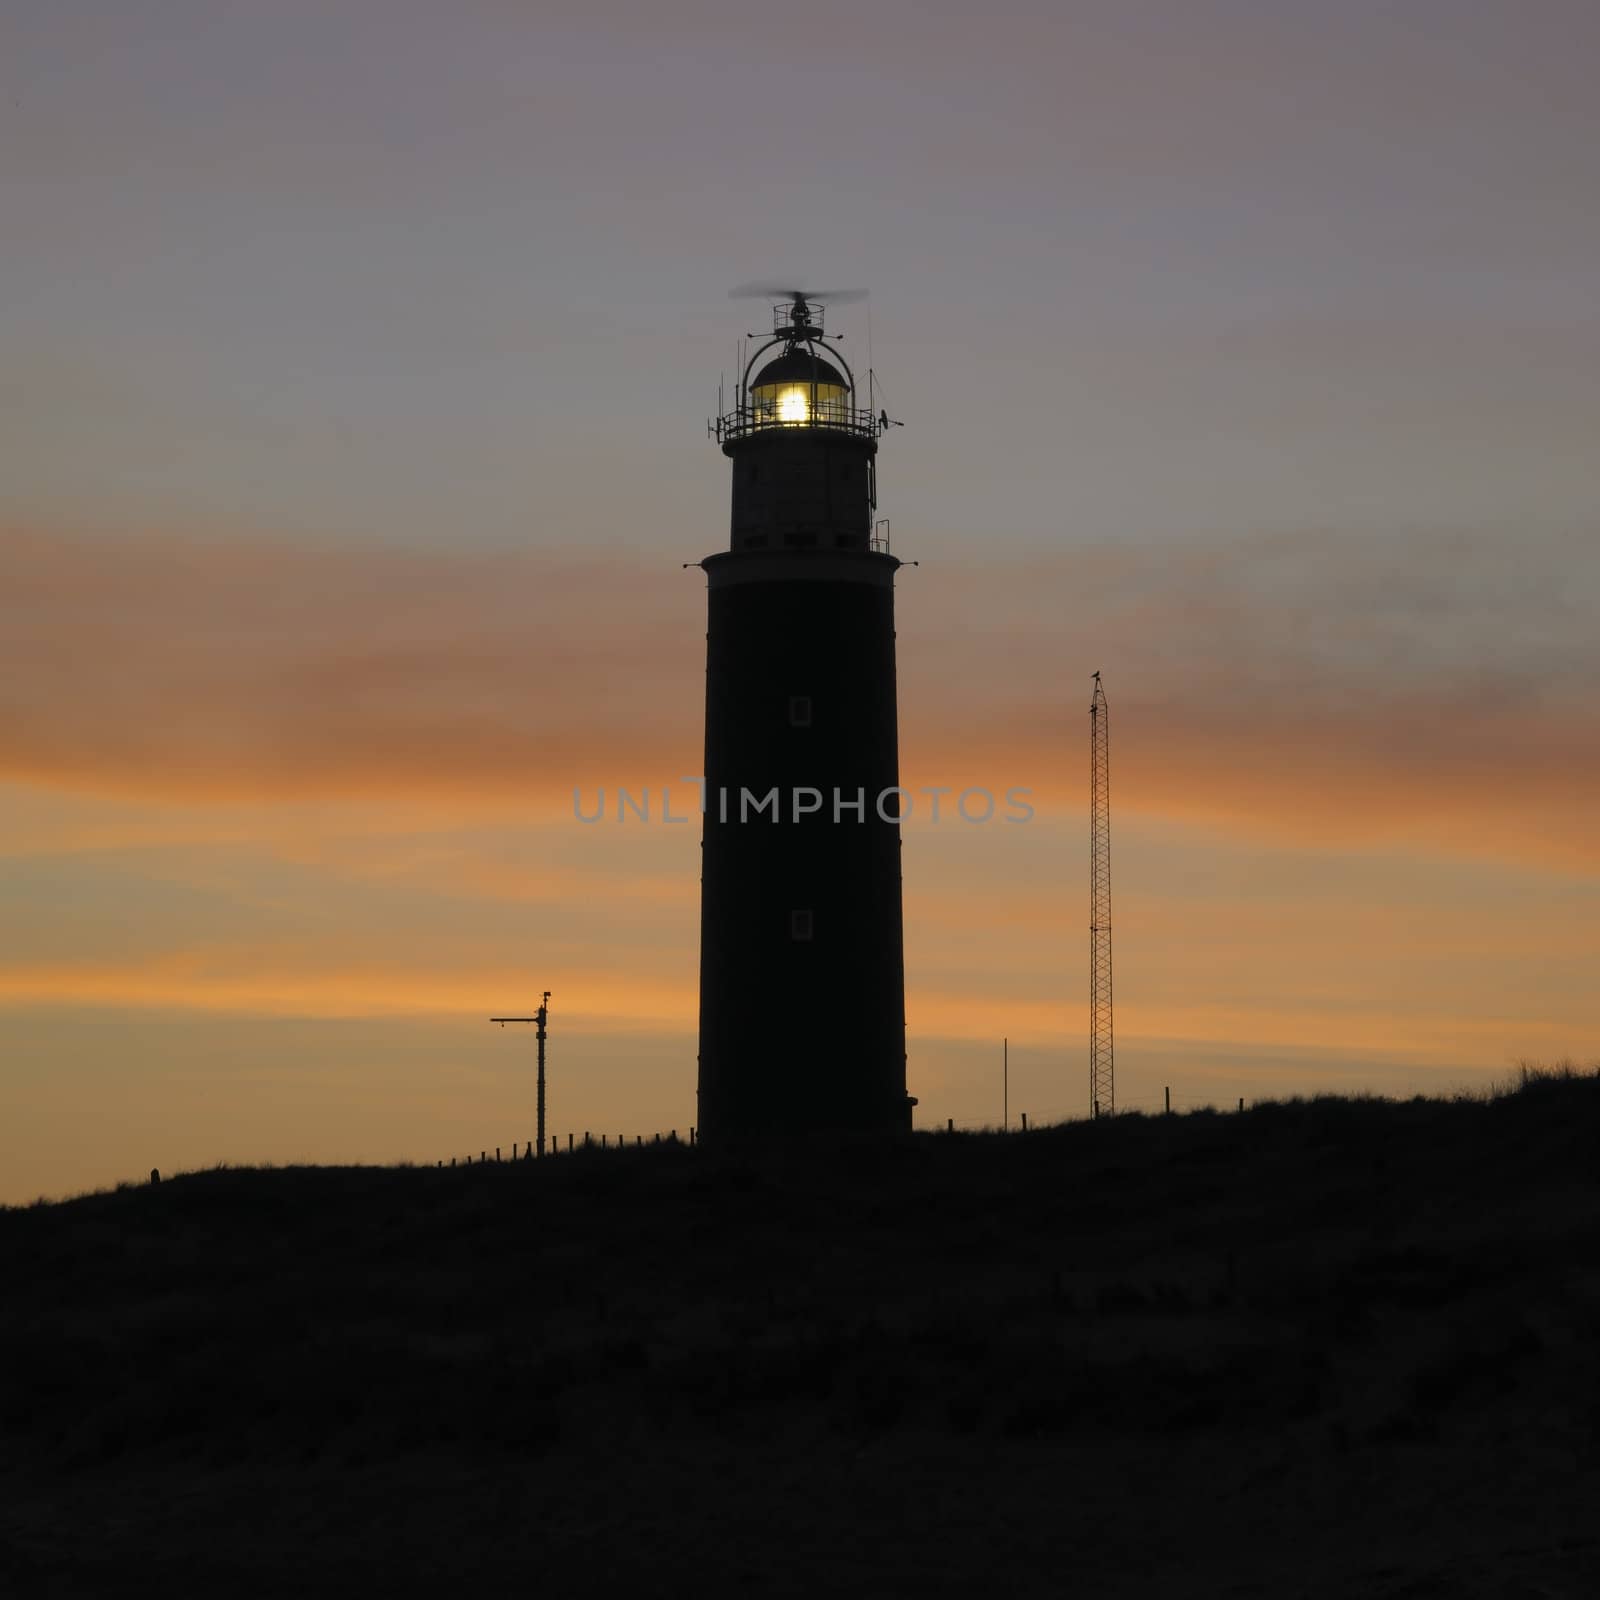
(803, 412)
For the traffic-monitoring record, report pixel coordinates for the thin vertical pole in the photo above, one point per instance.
(1102, 1073)
(540, 1018)
(543, 1016)
(1005, 1085)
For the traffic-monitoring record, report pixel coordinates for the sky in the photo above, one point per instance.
(355, 362)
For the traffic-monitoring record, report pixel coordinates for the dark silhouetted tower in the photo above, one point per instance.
(802, 982)
(1102, 1033)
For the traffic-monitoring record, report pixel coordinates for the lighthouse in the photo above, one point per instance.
(802, 972)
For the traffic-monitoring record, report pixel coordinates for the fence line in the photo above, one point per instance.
(523, 1150)
(593, 1141)
(1158, 1105)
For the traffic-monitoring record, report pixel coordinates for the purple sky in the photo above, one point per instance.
(375, 270)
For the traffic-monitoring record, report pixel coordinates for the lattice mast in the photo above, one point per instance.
(1102, 1078)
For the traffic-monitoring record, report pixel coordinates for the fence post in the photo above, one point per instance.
(950, 1125)
(1241, 1102)
(672, 1138)
(691, 1136)
(1024, 1121)
(1168, 1093)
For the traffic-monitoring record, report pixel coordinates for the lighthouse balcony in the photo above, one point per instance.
(802, 411)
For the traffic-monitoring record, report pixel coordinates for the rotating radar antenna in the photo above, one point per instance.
(797, 313)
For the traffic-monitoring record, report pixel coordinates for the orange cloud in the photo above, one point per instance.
(600, 1003)
(194, 981)
(240, 671)
(1425, 691)
(1433, 691)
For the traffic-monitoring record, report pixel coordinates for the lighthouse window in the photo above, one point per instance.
(799, 711)
(800, 926)
(792, 404)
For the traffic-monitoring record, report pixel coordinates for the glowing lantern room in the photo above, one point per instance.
(799, 390)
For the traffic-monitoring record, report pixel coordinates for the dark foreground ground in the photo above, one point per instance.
(1330, 1348)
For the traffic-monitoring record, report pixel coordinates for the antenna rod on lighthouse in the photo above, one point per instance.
(1102, 1075)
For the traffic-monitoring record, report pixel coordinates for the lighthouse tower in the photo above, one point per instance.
(802, 977)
